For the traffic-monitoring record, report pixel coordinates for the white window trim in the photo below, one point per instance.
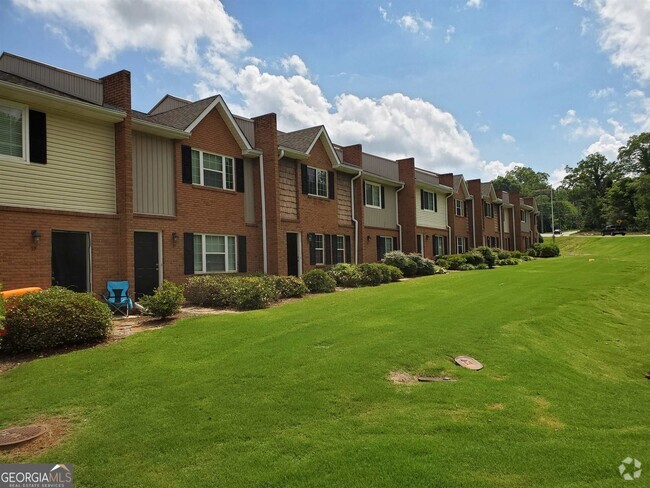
(25, 109)
(322, 249)
(491, 213)
(387, 238)
(462, 208)
(420, 238)
(378, 186)
(441, 245)
(204, 254)
(525, 215)
(223, 171)
(433, 204)
(340, 249)
(327, 183)
(460, 245)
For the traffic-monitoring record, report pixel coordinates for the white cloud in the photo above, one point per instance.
(294, 64)
(474, 4)
(580, 128)
(556, 176)
(507, 138)
(448, 33)
(625, 32)
(496, 168)
(602, 93)
(609, 142)
(585, 25)
(483, 128)
(414, 24)
(384, 13)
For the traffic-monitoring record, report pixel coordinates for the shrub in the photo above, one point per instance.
(466, 267)
(166, 300)
(210, 290)
(488, 255)
(507, 262)
(533, 253)
(345, 275)
(288, 286)
(503, 254)
(394, 273)
(474, 258)
(318, 281)
(442, 262)
(455, 261)
(516, 254)
(423, 265)
(481, 266)
(400, 260)
(253, 293)
(2, 310)
(54, 318)
(549, 250)
(370, 274)
(439, 270)
(525, 258)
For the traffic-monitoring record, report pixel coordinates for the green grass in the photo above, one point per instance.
(297, 395)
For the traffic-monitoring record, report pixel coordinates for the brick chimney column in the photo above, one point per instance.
(474, 187)
(354, 155)
(117, 93)
(407, 201)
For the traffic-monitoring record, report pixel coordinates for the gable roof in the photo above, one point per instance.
(168, 102)
(459, 182)
(304, 140)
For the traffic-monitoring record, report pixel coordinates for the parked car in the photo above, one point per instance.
(612, 230)
(557, 232)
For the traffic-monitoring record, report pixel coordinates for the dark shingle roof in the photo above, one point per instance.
(485, 189)
(299, 140)
(457, 180)
(179, 118)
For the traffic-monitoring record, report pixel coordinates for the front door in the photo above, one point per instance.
(292, 254)
(147, 266)
(70, 257)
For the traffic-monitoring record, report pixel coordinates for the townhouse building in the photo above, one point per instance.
(92, 190)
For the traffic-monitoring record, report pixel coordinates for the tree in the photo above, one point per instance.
(620, 201)
(522, 179)
(634, 157)
(588, 184)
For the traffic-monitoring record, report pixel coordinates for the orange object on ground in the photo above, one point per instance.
(20, 291)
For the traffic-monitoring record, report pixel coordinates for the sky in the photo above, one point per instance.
(470, 86)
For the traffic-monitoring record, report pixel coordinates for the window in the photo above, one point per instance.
(214, 254)
(13, 133)
(429, 200)
(460, 244)
(388, 244)
(420, 244)
(438, 245)
(212, 170)
(317, 182)
(460, 208)
(524, 216)
(488, 210)
(319, 251)
(373, 195)
(340, 249)
(491, 241)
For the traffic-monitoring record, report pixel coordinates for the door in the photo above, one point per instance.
(147, 263)
(70, 258)
(293, 266)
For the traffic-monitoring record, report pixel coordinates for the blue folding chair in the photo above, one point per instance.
(118, 297)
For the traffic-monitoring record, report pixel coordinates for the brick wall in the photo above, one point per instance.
(406, 203)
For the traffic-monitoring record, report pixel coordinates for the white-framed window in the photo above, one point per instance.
(13, 131)
(388, 244)
(373, 195)
(460, 208)
(488, 210)
(340, 249)
(429, 200)
(213, 170)
(438, 245)
(420, 244)
(319, 248)
(215, 253)
(460, 245)
(318, 182)
(524, 216)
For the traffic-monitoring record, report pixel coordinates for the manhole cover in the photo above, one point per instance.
(431, 379)
(16, 435)
(468, 362)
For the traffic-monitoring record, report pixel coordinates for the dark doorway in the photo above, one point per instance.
(70, 256)
(147, 266)
(292, 254)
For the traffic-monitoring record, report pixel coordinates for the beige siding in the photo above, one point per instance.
(525, 226)
(383, 217)
(153, 175)
(79, 174)
(506, 219)
(343, 198)
(288, 195)
(429, 218)
(249, 192)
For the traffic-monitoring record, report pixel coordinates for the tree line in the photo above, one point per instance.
(595, 192)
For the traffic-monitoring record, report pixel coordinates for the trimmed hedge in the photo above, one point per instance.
(401, 261)
(549, 250)
(425, 266)
(166, 300)
(53, 318)
(318, 281)
(488, 255)
(252, 293)
(466, 267)
(474, 258)
(345, 275)
(288, 286)
(227, 291)
(370, 275)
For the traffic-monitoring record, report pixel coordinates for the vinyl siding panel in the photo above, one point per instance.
(79, 174)
(525, 226)
(153, 175)
(428, 218)
(382, 217)
(506, 219)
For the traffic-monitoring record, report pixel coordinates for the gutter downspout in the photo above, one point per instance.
(263, 197)
(473, 222)
(399, 226)
(448, 226)
(356, 222)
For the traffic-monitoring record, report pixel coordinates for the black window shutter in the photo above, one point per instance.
(365, 202)
(348, 254)
(422, 199)
(305, 180)
(328, 248)
(380, 248)
(312, 249)
(435, 246)
(239, 175)
(242, 264)
(395, 243)
(435, 202)
(186, 158)
(37, 137)
(383, 197)
(330, 185)
(188, 252)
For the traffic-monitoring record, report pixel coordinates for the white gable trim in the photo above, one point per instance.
(329, 147)
(226, 114)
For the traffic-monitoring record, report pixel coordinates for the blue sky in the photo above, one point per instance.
(471, 86)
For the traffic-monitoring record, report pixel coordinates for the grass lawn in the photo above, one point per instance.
(298, 396)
